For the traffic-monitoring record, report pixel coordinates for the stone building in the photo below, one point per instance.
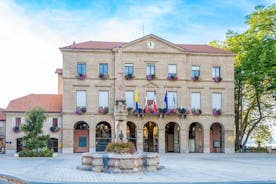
(2, 131)
(197, 81)
(15, 116)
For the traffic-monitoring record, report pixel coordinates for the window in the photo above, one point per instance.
(195, 100)
(128, 69)
(55, 122)
(81, 99)
(17, 121)
(150, 69)
(103, 68)
(216, 71)
(129, 98)
(150, 97)
(103, 99)
(171, 70)
(216, 101)
(195, 71)
(81, 68)
(172, 99)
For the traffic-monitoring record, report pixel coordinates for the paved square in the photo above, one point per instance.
(183, 168)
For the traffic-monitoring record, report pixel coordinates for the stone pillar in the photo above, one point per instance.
(206, 140)
(229, 142)
(67, 140)
(184, 138)
(139, 140)
(92, 135)
(161, 140)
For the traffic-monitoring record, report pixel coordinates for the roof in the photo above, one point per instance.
(2, 115)
(49, 102)
(102, 45)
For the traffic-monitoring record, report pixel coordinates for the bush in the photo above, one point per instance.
(120, 148)
(45, 152)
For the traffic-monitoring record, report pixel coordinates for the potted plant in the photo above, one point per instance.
(81, 76)
(140, 113)
(54, 129)
(195, 78)
(103, 110)
(172, 77)
(216, 112)
(103, 76)
(80, 110)
(150, 77)
(217, 79)
(16, 129)
(196, 111)
(182, 112)
(129, 76)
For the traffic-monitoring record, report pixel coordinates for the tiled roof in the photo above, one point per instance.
(49, 102)
(101, 45)
(2, 115)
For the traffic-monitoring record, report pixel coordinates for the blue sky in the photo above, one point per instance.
(33, 30)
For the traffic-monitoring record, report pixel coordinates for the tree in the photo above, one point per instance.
(33, 140)
(255, 76)
(262, 134)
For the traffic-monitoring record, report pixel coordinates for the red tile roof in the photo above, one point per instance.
(100, 45)
(49, 102)
(2, 115)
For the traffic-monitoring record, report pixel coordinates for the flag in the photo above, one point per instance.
(174, 100)
(166, 101)
(154, 105)
(146, 104)
(136, 101)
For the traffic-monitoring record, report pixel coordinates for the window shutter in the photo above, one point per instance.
(23, 120)
(13, 122)
(59, 122)
(50, 122)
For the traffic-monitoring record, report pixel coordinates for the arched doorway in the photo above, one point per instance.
(172, 137)
(216, 138)
(81, 137)
(131, 132)
(53, 144)
(150, 137)
(195, 138)
(103, 135)
(19, 145)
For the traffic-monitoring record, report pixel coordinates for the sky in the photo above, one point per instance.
(32, 31)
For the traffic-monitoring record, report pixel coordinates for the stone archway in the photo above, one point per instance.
(172, 137)
(150, 137)
(103, 135)
(195, 138)
(216, 138)
(81, 137)
(131, 132)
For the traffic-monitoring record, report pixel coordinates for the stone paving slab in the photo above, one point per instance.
(179, 168)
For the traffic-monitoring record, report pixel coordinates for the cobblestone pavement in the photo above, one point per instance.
(179, 168)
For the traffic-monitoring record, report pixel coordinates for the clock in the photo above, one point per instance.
(150, 44)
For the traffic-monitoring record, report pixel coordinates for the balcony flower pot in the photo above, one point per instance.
(80, 110)
(54, 129)
(150, 77)
(81, 76)
(103, 76)
(129, 76)
(140, 113)
(216, 112)
(16, 129)
(182, 112)
(195, 78)
(172, 77)
(103, 110)
(196, 111)
(217, 79)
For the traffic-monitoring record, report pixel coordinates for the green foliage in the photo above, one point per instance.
(120, 147)
(45, 152)
(34, 140)
(262, 134)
